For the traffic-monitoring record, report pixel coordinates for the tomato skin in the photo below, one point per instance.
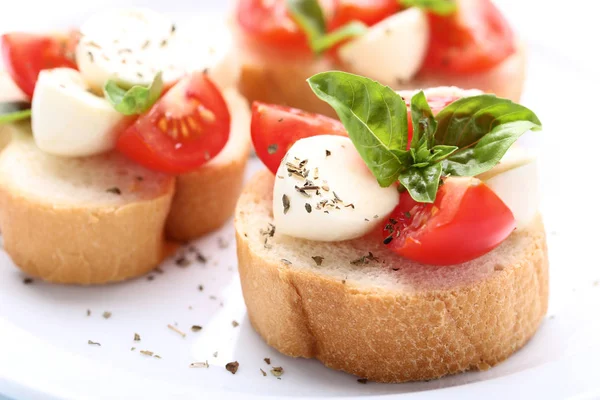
(26, 54)
(276, 128)
(368, 12)
(466, 221)
(186, 128)
(475, 38)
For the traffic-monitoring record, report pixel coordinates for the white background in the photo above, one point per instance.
(44, 331)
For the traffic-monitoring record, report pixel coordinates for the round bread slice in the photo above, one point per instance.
(360, 308)
(281, 79)
(80, 221)
(205, 199)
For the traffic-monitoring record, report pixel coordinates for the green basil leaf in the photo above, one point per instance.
(375, 117)
(14, 111)
(137, 99)
(465, 121)
(309, 16)
(441, 152)
(483, 128)
(440, 7)
(488, 151)
(350, 30)
(423, 121)
(422, 183)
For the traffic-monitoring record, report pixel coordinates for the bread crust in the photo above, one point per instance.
(84, 245)
(206, 198)
(281, 79)
(385, 335)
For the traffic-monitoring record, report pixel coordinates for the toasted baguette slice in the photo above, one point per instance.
(385, 318)
(81, 221)
(205, 199)
(281, 79)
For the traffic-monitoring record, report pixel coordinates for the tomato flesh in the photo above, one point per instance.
(26, 54)
(275, 129)
(368, 12)
(475, 38)
(186, 128)
(466, 221)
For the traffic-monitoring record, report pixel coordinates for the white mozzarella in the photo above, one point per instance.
(349, 202)
(68, 120)
(515, 181)
(132, 45)
(392, 50)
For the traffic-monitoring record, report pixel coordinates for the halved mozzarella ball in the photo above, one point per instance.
(515, 181)
(324, 191)
(68, 120)
(392, 50)
(131, 46)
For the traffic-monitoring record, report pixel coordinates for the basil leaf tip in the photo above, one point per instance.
(135, 100)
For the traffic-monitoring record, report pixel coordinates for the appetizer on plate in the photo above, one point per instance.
(136, 129)
(405, 44)
(402, 243)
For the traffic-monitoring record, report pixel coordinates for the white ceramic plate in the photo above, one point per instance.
(44, 329)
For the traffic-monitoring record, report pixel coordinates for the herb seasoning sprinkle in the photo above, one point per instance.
(286, 203)
(174, 329)
(318, 260)
(114, 190)
(232, 367)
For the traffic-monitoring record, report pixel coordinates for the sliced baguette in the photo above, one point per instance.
(281, 79)
(205, 199)
(81, 221)
(388, 320)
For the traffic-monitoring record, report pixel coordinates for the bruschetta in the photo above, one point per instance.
(402, 243)
(403, 44)
(127, 92)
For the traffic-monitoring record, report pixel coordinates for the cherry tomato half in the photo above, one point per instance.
(187, 127)
(276, 128)
(475, 38)
(466, 221)
(26, 54)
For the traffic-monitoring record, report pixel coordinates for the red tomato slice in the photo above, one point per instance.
(187, 127)
(369, 12)
(474, 39)
(269, 23)
(466, 221)
(25, 55)
(276, 128)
